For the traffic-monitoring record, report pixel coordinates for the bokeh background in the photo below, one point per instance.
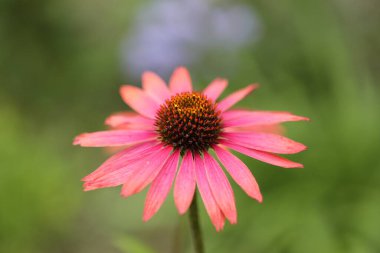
(62, 62)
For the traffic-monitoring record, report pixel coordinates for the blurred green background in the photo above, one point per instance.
(61, 63)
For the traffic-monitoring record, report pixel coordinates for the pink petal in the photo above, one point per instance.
(114, 178)
(139, 101)
(161, 186)
(155, 87)
(263, 156)
(265, 142)
(212, 207)
(180, 81)
(246, 118)
(147, 172)
(273, 129)
(129, 120)
(215, 88)
(221, 188)
(235, 97)
(120, 159)
(121, 169)
(184, 186)
(239, 172)
(113, 138)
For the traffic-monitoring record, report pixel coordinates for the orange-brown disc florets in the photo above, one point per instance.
(189, 121)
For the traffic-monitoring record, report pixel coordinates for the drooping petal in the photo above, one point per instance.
(235, 97)
(221, 188)
(120, 169)
(147, 172)
(112, 179)
(184, 186)
(215, 88)
(113, 138)
(262, 156)
(119, 160)
(155, 87)
(239, 172)
(180, 81)
(139, 101)
(161, 186)
(212, 208)
(245, 118)
(265, 142)
(129, 120)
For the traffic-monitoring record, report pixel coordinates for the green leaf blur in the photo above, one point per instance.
(59, 76)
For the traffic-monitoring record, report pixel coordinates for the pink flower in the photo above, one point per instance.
(170, 137)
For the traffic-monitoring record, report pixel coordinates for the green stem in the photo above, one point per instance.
(178, 237)
(195, 227)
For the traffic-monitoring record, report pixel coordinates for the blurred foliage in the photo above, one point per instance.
(60, 72)
(37, 194)
(128, 244)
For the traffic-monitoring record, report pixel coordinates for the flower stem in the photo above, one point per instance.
(178, 236)
(195, 227)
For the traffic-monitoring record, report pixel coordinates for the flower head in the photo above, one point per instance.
(170, 137)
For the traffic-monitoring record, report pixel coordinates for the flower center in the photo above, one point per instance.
(189, 121)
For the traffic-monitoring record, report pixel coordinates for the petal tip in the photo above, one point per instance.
(182, 210)
(109, 122)
(180, 80)
(181, 71)
(233, 217)
(123, 88)
(295, 148)
(253, 86)
(181, 68)
(259, 198)
(146, 217)
(219, 227)
(298, 118)
(295, 166)
(221, 80)
(215, 88)
(78, 139)
(147, 73)
(89, 187)
(86, 178)
(125, 194)
(233, 222)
